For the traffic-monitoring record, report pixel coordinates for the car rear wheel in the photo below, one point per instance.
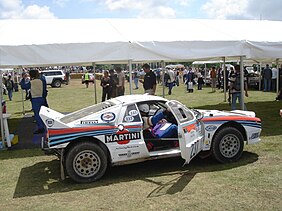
(57, 84)
(228, 144)
(86, 162)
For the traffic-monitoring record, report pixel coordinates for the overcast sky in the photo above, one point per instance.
(192, 9)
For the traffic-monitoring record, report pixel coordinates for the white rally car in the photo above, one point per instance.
(111, 133)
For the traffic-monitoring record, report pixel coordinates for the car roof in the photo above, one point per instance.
(128, 99)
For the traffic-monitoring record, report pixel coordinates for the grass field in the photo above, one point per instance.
(29, 180)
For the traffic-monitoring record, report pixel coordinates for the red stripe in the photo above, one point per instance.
(230, 118)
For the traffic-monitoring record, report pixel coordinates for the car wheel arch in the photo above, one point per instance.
(234, 124)
(90, 140)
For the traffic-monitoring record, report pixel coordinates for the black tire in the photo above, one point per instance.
(86, 162)
(57, 84)
(227, 145)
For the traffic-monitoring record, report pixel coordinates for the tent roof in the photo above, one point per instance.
(71, 41)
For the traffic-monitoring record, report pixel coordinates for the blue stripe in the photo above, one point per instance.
(66, 138)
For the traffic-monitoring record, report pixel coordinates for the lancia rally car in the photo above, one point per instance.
(110, 133)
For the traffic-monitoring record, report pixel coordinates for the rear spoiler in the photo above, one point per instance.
(51, 118)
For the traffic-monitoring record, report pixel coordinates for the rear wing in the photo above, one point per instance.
(51, 118)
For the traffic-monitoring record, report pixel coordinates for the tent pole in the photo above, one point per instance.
(95, 89)
(130, 76)
(224, 79)
(278, 77)
(205, 73)
(259, 76)
(163, 72)
(242, 82)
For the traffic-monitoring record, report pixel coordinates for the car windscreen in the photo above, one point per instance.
(86, 111)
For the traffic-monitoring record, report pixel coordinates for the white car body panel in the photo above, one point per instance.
(117, 124)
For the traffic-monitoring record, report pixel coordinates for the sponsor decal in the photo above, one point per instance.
(207, 142)
(127, 147)
(122, 138)
(254, 136)
(133, 113)
(88, 122)
(128, 118)
(189, 128)
(120, 127)
(210, 128)
(50, 122)
(108, 117)
(128, 154)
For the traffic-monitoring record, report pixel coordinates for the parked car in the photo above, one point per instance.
(91, 78)
(87, 141)
(55, 78)
(253, 79)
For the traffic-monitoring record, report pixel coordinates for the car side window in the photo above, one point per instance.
(182, 113)
(131, 114)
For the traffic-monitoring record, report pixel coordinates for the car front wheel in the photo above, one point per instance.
(228, 144)
(86, 162)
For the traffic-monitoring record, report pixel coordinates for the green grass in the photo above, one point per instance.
(30, 180)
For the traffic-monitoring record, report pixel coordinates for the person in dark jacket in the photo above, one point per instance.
(10, 87)
(150, 81)
(267, 76)
(106, 84)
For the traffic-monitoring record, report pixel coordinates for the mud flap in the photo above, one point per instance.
(62, 165)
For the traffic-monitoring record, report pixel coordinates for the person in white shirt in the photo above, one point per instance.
(171, 80)
(274, 78)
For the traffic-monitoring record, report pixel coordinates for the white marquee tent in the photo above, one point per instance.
(67, 41)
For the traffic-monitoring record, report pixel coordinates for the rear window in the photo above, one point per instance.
(52, 73)
(86, 111)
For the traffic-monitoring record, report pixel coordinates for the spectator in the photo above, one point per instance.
(67, 77)
(225, 82)
(38, 90)
(106, 84)
(86, 77)
(149, 82)
(213, 78)
(136, 78)
(190, 79)
(267, 75)
(219, 72)
(235, 88)
(171, 80)
(200, 82)
(121, 81)
(274, 78)
(10, 87)
(25, 80)
(114, 79)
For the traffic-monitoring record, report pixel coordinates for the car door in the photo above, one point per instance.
(127, 142)
(190, 130)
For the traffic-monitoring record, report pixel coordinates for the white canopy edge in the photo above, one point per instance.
(83, 41)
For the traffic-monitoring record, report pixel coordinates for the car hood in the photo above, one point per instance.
(217, 113)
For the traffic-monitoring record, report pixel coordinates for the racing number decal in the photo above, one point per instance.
(195, 149)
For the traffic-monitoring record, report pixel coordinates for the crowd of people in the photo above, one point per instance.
(113, 83)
